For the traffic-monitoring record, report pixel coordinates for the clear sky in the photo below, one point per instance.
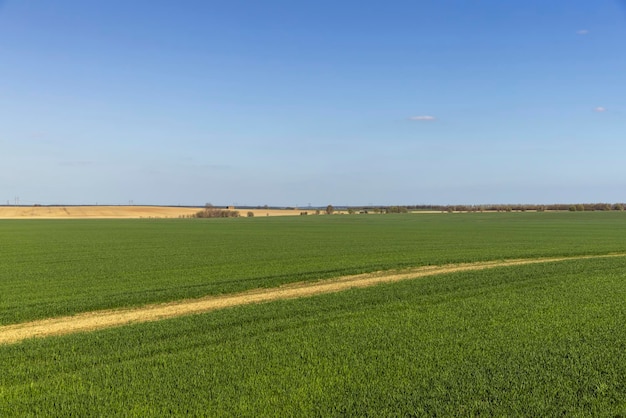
(312, 102)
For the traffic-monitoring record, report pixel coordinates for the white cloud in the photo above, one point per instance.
(600, 109)
(423, 118)
(583, 31)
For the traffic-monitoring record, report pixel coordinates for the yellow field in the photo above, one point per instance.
(103, 212)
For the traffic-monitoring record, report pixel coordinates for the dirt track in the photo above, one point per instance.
(90, 321)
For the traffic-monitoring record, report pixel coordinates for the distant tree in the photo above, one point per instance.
(250, 214)
(210, 212)
(618, 206)
(350, 211)
(330, 209)
(397, 209)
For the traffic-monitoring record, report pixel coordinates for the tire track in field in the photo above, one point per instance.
(91, 321)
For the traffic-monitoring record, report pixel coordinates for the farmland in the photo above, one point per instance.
(536, 339)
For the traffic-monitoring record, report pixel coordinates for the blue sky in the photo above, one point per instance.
(312, 102)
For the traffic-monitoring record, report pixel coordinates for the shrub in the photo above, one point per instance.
(397, 209)
(211, 212)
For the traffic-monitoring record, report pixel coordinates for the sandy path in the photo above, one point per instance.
(90, 321)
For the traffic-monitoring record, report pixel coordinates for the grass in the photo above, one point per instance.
(544, 339)
(535, 340)
(60, 267)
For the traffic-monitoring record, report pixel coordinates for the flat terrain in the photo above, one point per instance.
(64, 267)
(510, 314)
(91, 321)
(119, 212)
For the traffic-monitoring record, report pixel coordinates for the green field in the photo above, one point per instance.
(60, 267)
(541, 339)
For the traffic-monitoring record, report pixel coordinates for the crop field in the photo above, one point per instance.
(529, 339)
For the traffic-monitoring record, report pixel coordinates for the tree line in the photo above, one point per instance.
(578, 207)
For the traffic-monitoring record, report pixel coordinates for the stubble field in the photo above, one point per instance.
(528, 339)
(119, 212)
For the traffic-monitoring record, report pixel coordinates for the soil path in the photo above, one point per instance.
(90, 321)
